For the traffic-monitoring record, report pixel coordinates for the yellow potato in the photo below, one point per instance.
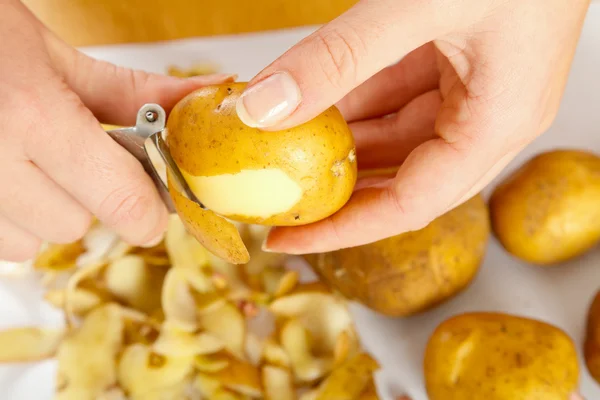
(548, 210)
(291, 177)
(592, 339)
(414, 271)
(218, 235)
(499, 357)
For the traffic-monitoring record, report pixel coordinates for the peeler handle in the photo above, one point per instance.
(151, 119)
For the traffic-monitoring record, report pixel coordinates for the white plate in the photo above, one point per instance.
(559, 295)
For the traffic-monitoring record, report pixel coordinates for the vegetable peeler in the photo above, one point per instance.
(146, 141)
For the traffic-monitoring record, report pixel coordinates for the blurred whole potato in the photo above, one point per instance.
(495, 356)
(592, 339)
(548, 211)
(414, 271)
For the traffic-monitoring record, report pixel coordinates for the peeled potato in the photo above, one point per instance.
(414, 271)
(499, 357)
(291, 177)
(548, 210)
(214, 232)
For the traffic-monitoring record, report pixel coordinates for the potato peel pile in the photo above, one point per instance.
(176, 322)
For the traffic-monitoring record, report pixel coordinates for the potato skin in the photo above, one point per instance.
(414, 271)
(591, 349)
(548, 210)
(496, 356)
(206, 138)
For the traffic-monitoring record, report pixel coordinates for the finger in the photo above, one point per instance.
(487, 177)
(38, 205)
(435, 175)
(69, 145)
(16, 244)
(343, 54)
(391, 207)
(385, 142)
(393, 87)
(114, 94)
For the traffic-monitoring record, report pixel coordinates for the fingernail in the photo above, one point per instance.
(265, 246)
(154, 242)
(270, 101)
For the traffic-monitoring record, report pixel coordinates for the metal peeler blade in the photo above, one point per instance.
(146, 142)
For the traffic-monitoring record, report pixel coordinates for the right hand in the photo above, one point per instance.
(57, 165)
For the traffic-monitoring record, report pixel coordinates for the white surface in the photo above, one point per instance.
(559, 295)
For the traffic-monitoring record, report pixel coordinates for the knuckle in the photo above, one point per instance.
(338, 55)
(125, 205)
(137, 82)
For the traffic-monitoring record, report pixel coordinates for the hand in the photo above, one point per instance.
(57, 165)
(480, 80)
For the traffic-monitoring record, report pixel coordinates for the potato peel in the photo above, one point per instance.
(59, 257)
(295, 341)
(176, 322)
(348, 381)
(278, 383)
(177, 301)
(228, 324)
(87, 357)
(324, 315)
(179, 343)
(143, 373)
(214, 232)
(133, 282)
(29, 344)
(240, 377)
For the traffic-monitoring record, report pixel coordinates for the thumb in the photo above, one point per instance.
(115, 94)
(321, 69)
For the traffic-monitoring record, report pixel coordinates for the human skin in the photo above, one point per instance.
(479, 81)
(57, 166)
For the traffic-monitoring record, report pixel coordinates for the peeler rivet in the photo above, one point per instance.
(151, 116)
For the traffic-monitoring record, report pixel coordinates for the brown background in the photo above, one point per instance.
(89, 22)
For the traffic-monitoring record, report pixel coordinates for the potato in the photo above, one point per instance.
(499, 357)
(291, 177)
(216, 234)
(548, 210)
(414, 271)
(592, 339)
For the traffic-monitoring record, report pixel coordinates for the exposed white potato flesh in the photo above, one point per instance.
(323, 314)
(82, 300)
(176, 342)
(278, 383)
(259, 193)
(142, 372)
(133, 282)
(295, 341)
(211, 363)
(189, 325)
(178, 302)
(183, 249)
(87, 356)
(29, 344)
(228, 324)
(274, 354)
